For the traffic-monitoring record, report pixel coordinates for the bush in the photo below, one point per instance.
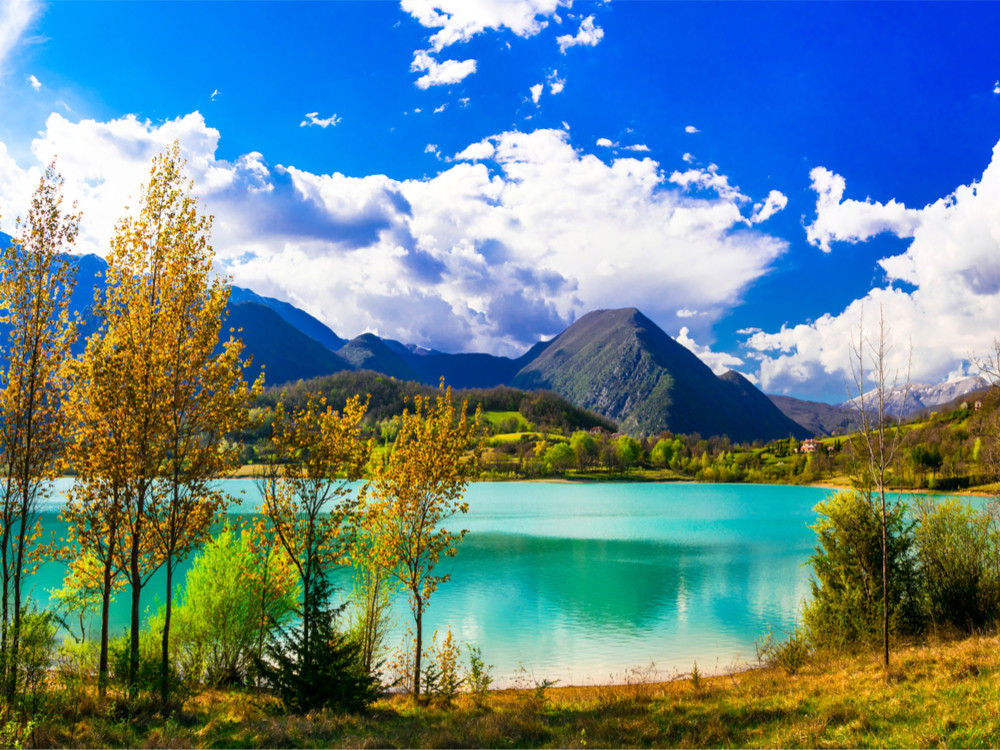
(959, 558)
(320, 668)
(233, 596)
(846, 607)
(790, 654)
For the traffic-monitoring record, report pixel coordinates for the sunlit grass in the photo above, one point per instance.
(945, 694)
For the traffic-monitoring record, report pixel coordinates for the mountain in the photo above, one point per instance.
(302, 320)
(922, 396)
(369, 352)
(822, 420)
(283, 350)
(620, 364)
(771, 421)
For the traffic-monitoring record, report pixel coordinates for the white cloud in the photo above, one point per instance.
(606, 143)
(442, 108)
(215, 94)
(996, 88)
(15, 17)
(720, 362)
(685, 313)
(689, 158)
(34, 82)
(952, 263)
(460, 20)
(440, 73)
(637, 147)
(748, 331)
(431, 148)
(476, 152)
(691, 129)
(556, 84)
(536, 92)
(708, 179)
(588, 35)
(464, 101)
(508, 244)
(313, 118)
(851, 220)
(775, 202)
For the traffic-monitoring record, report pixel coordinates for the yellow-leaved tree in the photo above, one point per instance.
(36, 281)
(172, 391)
(416, 486)
(306, 488)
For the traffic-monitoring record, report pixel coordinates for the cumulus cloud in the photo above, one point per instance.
(775, 201)
(34, 82)
(952, 265)
(442, 108)
(215, 94)
(637, 147)
(685, 313)
(313, 118)
(519, 235)
(606, 143)
(708, 179)
(588, 35)
(689, 158)
(536, 92)
(852, 220)
(720, 362)
(15, 17)
(691, 129)
(461, 20)
(440, 73)
(996, 88)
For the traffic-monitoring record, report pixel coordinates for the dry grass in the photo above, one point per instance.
(939, 695)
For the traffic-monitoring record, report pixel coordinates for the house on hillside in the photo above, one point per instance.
(809, 446)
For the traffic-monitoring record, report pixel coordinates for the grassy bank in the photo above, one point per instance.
(945, 694)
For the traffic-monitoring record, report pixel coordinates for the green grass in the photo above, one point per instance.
(945, 694)
(496, 417)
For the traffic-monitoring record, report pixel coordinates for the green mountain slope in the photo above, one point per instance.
(762, 410)
(620, 364)
(822, 420)
(286, 353)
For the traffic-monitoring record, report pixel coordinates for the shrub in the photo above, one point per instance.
(233, 596)
(789, 654)
(958, 553)
(846, 607)
(318, 668)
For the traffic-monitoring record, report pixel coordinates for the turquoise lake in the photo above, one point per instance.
(580, 583)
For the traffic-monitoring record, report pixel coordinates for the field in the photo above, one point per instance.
(944, 694)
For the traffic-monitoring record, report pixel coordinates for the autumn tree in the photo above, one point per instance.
(174, 393)
(880, 391)
(36, 281)
(417, 486)
(308, 499)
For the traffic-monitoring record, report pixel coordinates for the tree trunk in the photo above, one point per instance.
(418, 614)
(885, 584)
(133, 653)
(102, 669)
(165, 661)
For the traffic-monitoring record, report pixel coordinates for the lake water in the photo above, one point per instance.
(581, 582)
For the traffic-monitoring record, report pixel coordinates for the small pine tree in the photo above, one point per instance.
(319, 667)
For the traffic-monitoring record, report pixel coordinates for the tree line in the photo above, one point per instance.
(144, 416)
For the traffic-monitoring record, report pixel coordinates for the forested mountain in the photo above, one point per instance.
(622, 365)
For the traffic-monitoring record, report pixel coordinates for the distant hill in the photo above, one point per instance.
(286, 353)
(762, 410)
(620, 364)
(302, 320)
(369, 352)
(822, 420)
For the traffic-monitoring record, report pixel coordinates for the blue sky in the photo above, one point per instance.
(473, 175)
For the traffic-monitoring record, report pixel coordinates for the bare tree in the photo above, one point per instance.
(987, 421)
(878, 443)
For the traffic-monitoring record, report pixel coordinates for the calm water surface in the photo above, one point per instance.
(581, 582)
